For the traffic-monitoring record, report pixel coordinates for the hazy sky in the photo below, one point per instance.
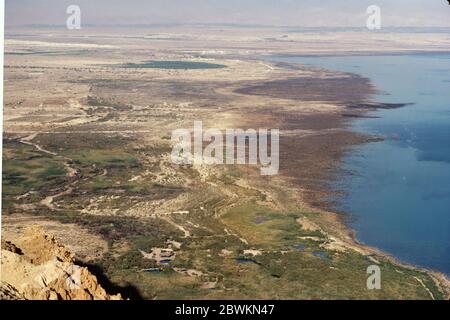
(309, 13)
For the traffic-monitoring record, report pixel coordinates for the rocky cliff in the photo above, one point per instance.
(37, 267)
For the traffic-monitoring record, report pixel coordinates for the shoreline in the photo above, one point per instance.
(442, 278)
(315, 202)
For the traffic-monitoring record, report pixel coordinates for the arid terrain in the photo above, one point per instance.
(87, 143)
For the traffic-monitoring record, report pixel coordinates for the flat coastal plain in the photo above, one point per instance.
(88, 118)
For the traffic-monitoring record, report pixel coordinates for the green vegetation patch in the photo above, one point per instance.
(71, 142)
(25, 169)
(113, 158)
(261, 225)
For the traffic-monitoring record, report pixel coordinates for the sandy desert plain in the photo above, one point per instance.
(87, 143)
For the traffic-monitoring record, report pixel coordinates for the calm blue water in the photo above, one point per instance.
(399, 191)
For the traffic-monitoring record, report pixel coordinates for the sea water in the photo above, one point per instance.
(397, 191)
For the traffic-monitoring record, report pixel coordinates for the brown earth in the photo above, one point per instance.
(39, 268)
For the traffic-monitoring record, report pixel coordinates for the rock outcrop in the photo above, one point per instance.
(39, 268)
